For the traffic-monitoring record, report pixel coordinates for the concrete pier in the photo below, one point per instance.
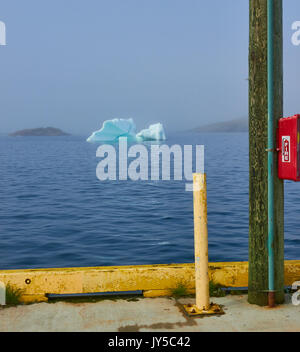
(148, 314)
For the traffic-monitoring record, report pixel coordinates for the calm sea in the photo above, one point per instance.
(54, 211)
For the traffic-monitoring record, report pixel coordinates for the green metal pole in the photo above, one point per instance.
(258, 283)
(271, 294)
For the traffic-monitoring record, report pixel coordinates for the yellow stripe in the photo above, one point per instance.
(153, 279)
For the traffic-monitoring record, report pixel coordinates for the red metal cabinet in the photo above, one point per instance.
(288, 146)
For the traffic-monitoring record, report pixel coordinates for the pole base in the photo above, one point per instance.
(193, 310)
(271, 299)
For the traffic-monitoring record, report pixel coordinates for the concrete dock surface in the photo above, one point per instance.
(148, 314)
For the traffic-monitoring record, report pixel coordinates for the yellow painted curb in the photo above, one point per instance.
(154, 280)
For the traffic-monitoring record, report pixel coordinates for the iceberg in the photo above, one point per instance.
(154, 132)
(112, 130)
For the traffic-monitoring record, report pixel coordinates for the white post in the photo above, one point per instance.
(201, 242)
(2, 294)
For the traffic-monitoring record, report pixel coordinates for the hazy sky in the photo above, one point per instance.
(73, 64)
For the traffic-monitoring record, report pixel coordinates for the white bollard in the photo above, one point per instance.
(203, 305)
(2, 294)
(201, 242)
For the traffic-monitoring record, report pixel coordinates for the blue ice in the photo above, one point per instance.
(112, 130)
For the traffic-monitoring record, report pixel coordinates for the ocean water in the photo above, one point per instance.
(55, 212)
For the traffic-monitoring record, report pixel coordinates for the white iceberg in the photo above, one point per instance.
(112, 130)
(154, 132)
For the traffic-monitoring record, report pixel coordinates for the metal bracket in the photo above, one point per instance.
(273, 150)
(193, 310)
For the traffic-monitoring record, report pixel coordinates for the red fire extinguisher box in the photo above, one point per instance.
(289, 148)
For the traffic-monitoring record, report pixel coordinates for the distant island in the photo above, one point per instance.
(237, 125)
(43, 131)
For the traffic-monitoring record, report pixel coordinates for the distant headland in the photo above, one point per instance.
(43, 131)
(237, 125)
